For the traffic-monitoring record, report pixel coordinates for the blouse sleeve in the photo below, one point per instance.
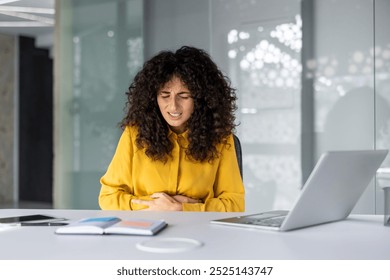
(229, 193)
(116, 190)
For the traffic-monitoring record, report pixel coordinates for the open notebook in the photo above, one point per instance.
(329, 194)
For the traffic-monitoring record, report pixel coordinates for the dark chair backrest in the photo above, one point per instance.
(237, 146)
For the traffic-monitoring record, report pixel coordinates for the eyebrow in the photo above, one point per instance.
(168, 92)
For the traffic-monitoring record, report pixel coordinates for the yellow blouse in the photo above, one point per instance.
(131, 174)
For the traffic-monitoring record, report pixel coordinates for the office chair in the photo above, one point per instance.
(237, 146)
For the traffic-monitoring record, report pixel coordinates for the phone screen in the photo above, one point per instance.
(28, 218)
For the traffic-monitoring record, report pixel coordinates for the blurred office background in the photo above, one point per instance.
(310, 75)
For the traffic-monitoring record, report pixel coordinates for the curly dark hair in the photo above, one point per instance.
(212, 120)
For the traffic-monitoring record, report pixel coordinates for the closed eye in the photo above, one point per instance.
(182, 95)
(185, 95)
(164, 95)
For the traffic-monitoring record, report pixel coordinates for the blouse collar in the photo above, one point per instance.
(182, 138)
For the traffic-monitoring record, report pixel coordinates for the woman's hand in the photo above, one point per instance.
(160, 202)
(165, 202)
(185, 199)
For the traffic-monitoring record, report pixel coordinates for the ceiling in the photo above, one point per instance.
(33, 18)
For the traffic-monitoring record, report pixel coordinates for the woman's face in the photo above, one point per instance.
(176, 104)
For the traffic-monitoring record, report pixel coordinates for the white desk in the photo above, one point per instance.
(358, 237)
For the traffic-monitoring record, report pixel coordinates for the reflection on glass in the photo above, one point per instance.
(107, 52)
(348, 71)
(263, 60)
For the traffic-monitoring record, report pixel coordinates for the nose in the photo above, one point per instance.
(173, 104)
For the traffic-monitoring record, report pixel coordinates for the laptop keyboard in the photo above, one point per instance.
(268, 222)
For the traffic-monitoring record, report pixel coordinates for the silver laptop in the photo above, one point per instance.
(329, 194)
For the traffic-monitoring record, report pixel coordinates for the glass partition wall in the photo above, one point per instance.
(311, 76)
(381, 53)
(99, 50)
(258, 44)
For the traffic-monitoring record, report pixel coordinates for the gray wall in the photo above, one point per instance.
(7, 108)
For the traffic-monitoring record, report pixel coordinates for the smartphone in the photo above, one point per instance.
(29, 219)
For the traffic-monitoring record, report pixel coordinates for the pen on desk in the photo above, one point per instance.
(50, 224)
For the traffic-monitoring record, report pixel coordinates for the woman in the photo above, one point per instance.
(177, 151)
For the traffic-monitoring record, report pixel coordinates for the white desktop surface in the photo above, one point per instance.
(358, 237)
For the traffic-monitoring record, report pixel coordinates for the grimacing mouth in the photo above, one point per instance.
(175, 114)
